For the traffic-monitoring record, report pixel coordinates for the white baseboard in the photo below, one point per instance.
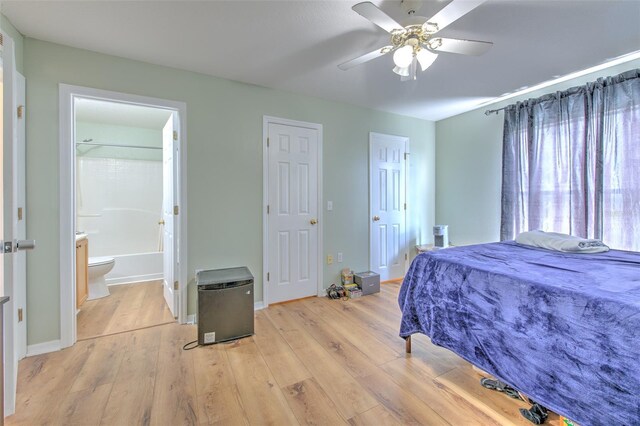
(43, 348)
(134, 279)
(258, 305)
(191, 319)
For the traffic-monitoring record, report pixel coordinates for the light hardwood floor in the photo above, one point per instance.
(313, 361)
(129, 307)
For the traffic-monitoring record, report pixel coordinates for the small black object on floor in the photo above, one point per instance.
(537, 414)
(500, 386)
(336, 292)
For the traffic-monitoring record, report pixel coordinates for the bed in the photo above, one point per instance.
(562, 328)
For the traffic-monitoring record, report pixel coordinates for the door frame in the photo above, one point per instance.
(67, 95)
(407, 152)
(266, 120)
(20, 289)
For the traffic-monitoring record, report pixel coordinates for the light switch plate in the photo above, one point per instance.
(329, 259)
(339, 257)
(329, 205)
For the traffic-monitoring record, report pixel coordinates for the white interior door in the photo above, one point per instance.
(5, 285)
(169, 200)
(292, 212)
(9, 231)
(387, 189)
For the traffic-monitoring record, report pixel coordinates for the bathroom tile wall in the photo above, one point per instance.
(119, 204)
(119, 190)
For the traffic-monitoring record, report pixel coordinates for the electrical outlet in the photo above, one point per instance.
(339, 257)
(210, 337)
(329, 259)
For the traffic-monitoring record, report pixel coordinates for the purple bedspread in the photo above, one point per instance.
(562, 328)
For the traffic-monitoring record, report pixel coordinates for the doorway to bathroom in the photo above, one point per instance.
(127, 185)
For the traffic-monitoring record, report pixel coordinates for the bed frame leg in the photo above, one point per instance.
(407, 343)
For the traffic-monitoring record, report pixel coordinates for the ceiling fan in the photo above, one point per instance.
(415, 43)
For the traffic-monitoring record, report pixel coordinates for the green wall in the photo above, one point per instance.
(224, 126)
(469, 166)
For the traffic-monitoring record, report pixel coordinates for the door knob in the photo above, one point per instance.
(161, 222)
(25, 244)
(313, 221)
(376, 218)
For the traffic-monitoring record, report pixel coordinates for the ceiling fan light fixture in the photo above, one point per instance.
(403, 72)
(402, 57)
(414, 42)
(426, 58)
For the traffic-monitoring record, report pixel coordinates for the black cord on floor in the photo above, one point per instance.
(228, 342)
(190, 347)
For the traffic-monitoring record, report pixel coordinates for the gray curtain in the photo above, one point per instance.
(571, 163)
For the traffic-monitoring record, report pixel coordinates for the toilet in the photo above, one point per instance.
(98, 268)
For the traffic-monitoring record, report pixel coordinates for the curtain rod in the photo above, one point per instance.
(494, 111)
(117, 146)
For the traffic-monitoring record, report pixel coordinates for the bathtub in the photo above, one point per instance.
(131, 268)
(128, 235)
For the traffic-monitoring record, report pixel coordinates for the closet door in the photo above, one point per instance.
(387, 202)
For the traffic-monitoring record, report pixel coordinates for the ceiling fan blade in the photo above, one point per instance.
(377, 16)
(365, 58)
(452, 12)
(463, 47)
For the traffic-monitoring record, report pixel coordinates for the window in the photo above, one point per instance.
(571, 163)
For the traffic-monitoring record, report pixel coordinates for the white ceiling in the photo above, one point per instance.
(120, 114)
(297, 45)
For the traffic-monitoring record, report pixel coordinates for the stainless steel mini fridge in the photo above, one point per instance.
(225, 304)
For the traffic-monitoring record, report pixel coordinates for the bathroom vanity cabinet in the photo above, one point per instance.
(82, 271)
